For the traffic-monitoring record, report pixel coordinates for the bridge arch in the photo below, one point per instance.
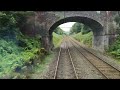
(96, 27)
(93, 24)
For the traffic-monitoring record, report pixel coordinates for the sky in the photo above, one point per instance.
(66, 26)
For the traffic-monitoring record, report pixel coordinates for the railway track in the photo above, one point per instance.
(64, 51)
(107, 70)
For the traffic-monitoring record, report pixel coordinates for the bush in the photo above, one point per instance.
(16, 49)
(84, 38)
(114, 49)
(13, 56)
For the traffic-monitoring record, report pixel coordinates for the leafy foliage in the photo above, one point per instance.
(59, 31)
(82, 33)
(79, 27)
(16, 49)
(86, 29)
(13, 19)
(76, 28)
(7, 19)
(13, 56)
(56, 39)
(84, 38)
(114, 49)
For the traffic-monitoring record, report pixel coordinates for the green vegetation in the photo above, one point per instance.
(86, 29)
(84, 38)
(114, 49)
(42, 67)
(82, 33)
(57, 39)
(76, 28)
(13, 19)
(57, 36)
(59, 31)
(79, 27)
(17, 50)
(15, 53)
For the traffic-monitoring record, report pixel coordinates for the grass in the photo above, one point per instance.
(14, 55)
(42, 67)
(111, 56)
(44, 64)
(57, 39)
(84, 38)
(114, 49)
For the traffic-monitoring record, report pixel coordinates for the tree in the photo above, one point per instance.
(11, 22)
(12, 19)
(79, 27)
(7, 20)
(85, 29)
(59, 31)
(76, 28)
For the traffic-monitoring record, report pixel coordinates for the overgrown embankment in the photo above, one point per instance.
(41, 69)
(84, 38)
(114, 49)
(57, 39)
(18, 52)
(82, 33)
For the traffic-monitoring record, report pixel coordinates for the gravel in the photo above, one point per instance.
(65, 68)
(84, 69)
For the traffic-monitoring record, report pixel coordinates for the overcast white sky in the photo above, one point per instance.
(66, 26)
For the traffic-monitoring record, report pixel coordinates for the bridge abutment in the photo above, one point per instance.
(45, 42)
(102, 42)
(98, 43)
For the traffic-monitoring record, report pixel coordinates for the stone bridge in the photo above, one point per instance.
(101, 23)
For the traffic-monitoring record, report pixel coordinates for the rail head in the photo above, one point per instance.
(71, 59)
(72, 63)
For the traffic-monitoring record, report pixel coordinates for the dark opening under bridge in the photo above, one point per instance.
(102, 25)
